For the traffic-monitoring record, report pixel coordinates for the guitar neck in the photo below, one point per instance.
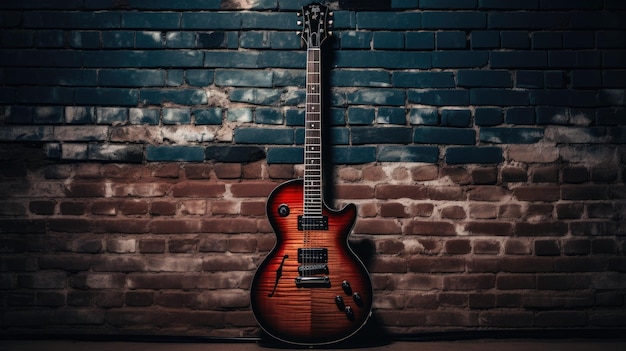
(313, 189)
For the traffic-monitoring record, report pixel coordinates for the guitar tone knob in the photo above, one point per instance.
(349, 313)
(283, 210)
(339, 302)
(357, 299)
(345, 285)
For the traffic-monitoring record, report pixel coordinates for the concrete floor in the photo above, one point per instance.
(471, 345)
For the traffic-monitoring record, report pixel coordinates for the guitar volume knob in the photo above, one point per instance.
(339, 302)
(283, 210)
(357, 299)
(345, 285)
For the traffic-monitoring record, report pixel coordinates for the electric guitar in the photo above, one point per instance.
(311, 289)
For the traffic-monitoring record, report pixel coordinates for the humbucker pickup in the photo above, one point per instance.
(313, 269)
(312, 223)
(313, 255)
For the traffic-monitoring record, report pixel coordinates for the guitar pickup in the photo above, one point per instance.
(313, 282)
(313, 255)
(313, 269)
(312, 223)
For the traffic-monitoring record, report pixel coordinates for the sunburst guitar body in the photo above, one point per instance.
(311, 289)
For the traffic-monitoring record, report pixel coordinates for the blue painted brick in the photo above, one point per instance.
(131, 77)
(148, 40)
(555, 79)
(392, 97)
(582, 79)
(176, 96)
(289, 77)
(484, 78)
(256, 96)
(180, 40)
(44, 95)
(451, 40)
(211, 115)
(448, 4)
(579, 40)
(404, 4)
(17, 114)
(485, 116)
(423, 80)
(234, 59)
(71, 20)
(159, 5)
(243, 78)
(285, 155)
(444, 135)
(391, 115)
(456, 118)
(454, 20)
(485, 39)
(498, 97)
(254, 40)
(51, 76)
(337, 117)
(440, 97)
(511, 135)
(138, 115)
(84, 40)
(281, 59)
(20, 38)
(340, 136)
(243, 115)
(31, 58)
(213, 40)
(118, 39)
(520, 115)
(175, 77)
(472, 154)
(356, 78)
(376, 135)
(142, 59)
(210, 20)
(530, 79)
(174, 153)
(353, 154)
(199, 77)
(234, 153)
(553, 115)
(268, 20)
(514, 40)
(518, 59)
(80, 115)
(408, 153)
(284, 41)
(546, 40)
(420, 40)
(383, 59)
(610, 116)
(613, 78)
(176, 116)
(574, 59)
(50, 39)
(610, 39)
(459, 59)
(48, 115)
(424, 116)
(391, 20)
(355, 39)
(268, 116)
(106, 96)
(361, 115)
(111, 115)
(151, 20)
(388, 40)
(552, 97)
(264, 136)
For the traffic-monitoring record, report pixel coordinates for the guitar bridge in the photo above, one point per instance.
(313, 282)
(313, 269)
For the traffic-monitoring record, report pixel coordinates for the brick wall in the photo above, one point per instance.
(482, 140)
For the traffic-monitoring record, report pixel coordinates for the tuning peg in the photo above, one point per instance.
(298, 33)
(299, 14)
(330, 33)
(331, 14)
(330, 22)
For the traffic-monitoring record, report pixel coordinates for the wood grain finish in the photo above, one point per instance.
(309, 315)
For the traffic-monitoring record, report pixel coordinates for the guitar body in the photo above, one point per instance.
(337, 301)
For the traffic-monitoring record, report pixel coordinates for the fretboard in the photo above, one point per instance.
(313, 193)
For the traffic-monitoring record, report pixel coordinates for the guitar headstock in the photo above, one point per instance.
(316, 22)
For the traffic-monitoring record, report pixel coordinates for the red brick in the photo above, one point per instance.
(420, 264)
(119, 263)
(561, 319)
(73, 208)
(557, 300)
(424, 173)
(129, 226)
(253, 208)
(213, 243)
(580, 264)
(515, 281)
(183, 245)
(541, 229)
(489, 228)
(377, 226)
(527, 264)
(563, 281)
(254, 170)
(457, 175)
(575, 247)
(392, 209)
(489, 193)
(242, 245)
(595, 227)
(199, 171)
(575, 174)
(469, 281)
(152, 246)
(569, 210)
(482, 301)
(141, 189)
(392, 191)
(88, 171)
(458, 246)
(484, 175)
(83, 189)
(198, 189)
(514, 175)
(224, 207)
(433, 228)
(252, 189)
(138, 298)
(42, 208)
(279, 171)
(453, 300)
(389, 246)
(483, 211)
(506, 319)
(228, 263)
(176, 226)
(69, 225)
(421, 210)
(539, 212)
(133, 207)
(37, 226)
(483, 264)
(229, 225)
(228, 170)
(453, 212)
(603, 246)
(373, 173)
(537, 193)
(446, 193)
(354, 191)
(419, 282)
(66, 262)
(602, 210)
(547, 248)
(452, 318)
(388, 264)
(486, 247)
(349, 174)
(517, 247)
(171, 170)
(545, 174)
(584, 192)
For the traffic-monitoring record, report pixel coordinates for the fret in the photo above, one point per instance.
(313, 190)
